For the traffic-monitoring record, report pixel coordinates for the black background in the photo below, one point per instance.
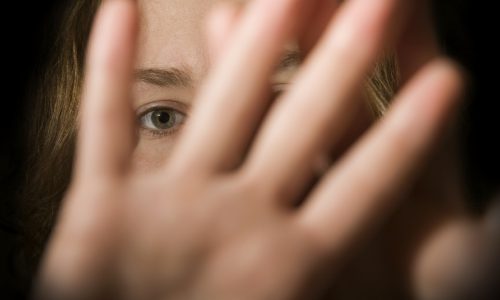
(27, 34)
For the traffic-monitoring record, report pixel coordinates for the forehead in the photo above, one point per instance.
(172, 33)
(173, 13)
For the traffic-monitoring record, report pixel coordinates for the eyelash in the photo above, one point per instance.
(145, 117)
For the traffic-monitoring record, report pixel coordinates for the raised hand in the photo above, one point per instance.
(218, 220)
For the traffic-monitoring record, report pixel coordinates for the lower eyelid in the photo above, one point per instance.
(159, 133)
(155, 134)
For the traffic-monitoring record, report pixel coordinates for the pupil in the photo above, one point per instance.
(163, 117)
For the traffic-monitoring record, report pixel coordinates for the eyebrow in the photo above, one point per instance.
(291, 59)
(171, 77)
(174, 77)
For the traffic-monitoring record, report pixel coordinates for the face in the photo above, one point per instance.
(173, 60)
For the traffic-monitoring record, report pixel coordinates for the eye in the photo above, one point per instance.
(160, 120)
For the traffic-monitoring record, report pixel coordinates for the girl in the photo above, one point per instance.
(237, 158)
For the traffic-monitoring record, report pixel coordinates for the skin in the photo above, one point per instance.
(176, 41)
(207, 214)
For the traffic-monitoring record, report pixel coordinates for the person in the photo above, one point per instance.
(238, 158)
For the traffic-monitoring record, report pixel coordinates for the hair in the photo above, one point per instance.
(52, 134)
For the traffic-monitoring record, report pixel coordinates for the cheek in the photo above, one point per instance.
(152, 154)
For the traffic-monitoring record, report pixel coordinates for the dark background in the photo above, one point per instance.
(27, 33)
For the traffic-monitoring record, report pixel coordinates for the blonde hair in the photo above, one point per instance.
(52, 134)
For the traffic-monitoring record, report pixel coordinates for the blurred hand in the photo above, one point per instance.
(219, 220)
